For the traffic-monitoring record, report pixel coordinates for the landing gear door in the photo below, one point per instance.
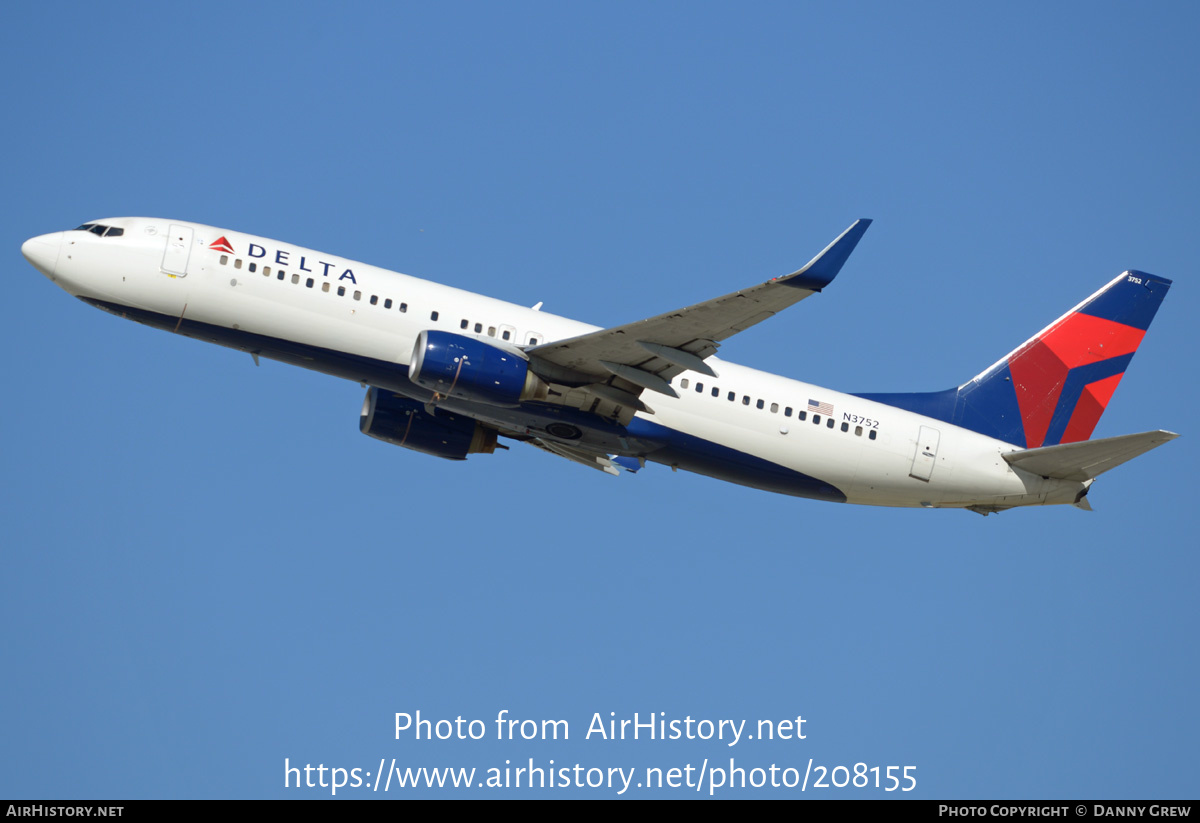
(926, 456)
(179, 248)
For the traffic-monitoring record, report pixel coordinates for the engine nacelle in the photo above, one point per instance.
(467, 368)
(403, 422)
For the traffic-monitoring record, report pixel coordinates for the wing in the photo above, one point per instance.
(593, 460)
(648, 353)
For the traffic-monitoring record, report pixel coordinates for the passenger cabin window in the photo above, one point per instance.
(341, 291)
(463, 324)
(683, 384)
(224, 259)
(374, 300)
(433, 315)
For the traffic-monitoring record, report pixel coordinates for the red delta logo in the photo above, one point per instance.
(283, 258)
(1065, 378)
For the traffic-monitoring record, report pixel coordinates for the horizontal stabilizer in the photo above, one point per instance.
(1089, 459)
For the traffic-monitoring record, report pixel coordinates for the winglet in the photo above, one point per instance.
(821, 270)
(629, 464)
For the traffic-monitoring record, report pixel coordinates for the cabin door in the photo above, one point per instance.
(926, 456)
(179, 248)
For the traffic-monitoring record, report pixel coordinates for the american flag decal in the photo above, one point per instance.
(819, 408)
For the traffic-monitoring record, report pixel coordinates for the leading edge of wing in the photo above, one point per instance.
(694, 331)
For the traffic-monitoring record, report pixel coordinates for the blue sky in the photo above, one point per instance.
(208, 569)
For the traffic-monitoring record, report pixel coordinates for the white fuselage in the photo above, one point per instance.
(873, 453)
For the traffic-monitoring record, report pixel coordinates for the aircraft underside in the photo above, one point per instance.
(560, 424)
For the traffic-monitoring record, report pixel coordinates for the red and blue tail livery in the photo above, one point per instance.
(1053, 388)
(1064, 377)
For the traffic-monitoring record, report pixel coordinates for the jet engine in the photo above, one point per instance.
(468, 368)
(404, 422)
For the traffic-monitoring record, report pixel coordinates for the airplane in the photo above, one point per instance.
(448, 371)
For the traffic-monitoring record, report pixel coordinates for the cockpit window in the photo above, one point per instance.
(101, 231)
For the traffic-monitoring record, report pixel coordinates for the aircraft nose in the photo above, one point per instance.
(42, 251)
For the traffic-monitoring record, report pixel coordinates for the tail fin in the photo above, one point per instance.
(1053, 387)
